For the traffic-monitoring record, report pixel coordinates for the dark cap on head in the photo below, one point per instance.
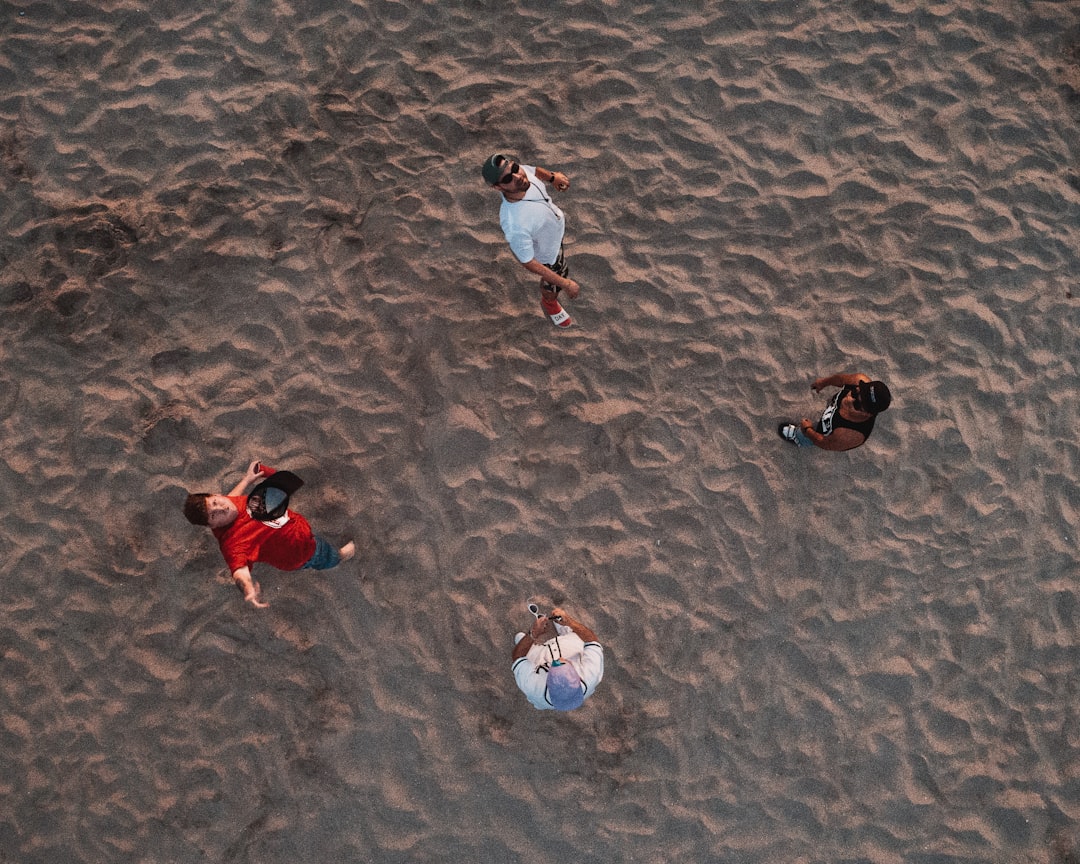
(494, 168)
(874, 396)
(270, 499)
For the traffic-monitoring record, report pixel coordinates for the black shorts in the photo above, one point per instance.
(560, 269)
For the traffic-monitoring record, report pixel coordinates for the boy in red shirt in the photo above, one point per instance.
(260, 527)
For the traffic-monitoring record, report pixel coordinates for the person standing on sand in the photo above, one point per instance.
(847, 420)
(558, 663)
(534, 227)
(260, 527)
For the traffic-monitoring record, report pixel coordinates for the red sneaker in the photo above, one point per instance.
(554, 311)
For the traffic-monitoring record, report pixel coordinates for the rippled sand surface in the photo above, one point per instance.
(258, 230)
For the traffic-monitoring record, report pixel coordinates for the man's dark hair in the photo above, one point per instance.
(195, 508)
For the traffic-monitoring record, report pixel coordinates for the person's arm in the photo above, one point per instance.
(840, 379)
(556, 178)
(533, 637)
(531, 682)
(548, 275)
(250, 479)
(248, 587)
(838, 439)
(590, 666)
(583, 632)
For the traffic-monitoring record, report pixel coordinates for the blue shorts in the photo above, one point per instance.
(325, 557)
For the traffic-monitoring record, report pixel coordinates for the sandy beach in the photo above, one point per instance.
(258, 230)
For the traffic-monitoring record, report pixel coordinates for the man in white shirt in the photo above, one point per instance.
(558, 663)
(534, 227)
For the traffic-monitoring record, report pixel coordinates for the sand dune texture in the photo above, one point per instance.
(258, 230)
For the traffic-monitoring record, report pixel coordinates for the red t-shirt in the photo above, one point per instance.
(248, 540)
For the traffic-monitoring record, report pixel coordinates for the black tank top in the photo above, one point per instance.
(832, 419)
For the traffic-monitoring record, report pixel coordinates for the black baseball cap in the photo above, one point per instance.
(495, 167)
(270, 499)
(874, 396)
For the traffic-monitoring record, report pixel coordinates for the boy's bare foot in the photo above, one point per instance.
(347, 551)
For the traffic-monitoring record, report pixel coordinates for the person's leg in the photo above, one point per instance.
(560, 268)
(549, 294)
(327, 556)
(792, 433)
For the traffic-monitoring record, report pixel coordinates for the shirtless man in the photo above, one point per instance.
(847, 420)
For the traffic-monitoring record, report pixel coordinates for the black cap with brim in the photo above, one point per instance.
(270, 499)
(494, 168)
(874, 396)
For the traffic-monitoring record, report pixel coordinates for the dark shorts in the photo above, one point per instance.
(560, 269)
(325, 557)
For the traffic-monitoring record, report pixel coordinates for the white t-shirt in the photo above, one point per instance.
(533, 226)
(530, 671)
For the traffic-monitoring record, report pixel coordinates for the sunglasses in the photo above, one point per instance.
(856, 401)
(514, 168)
(532, 607)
